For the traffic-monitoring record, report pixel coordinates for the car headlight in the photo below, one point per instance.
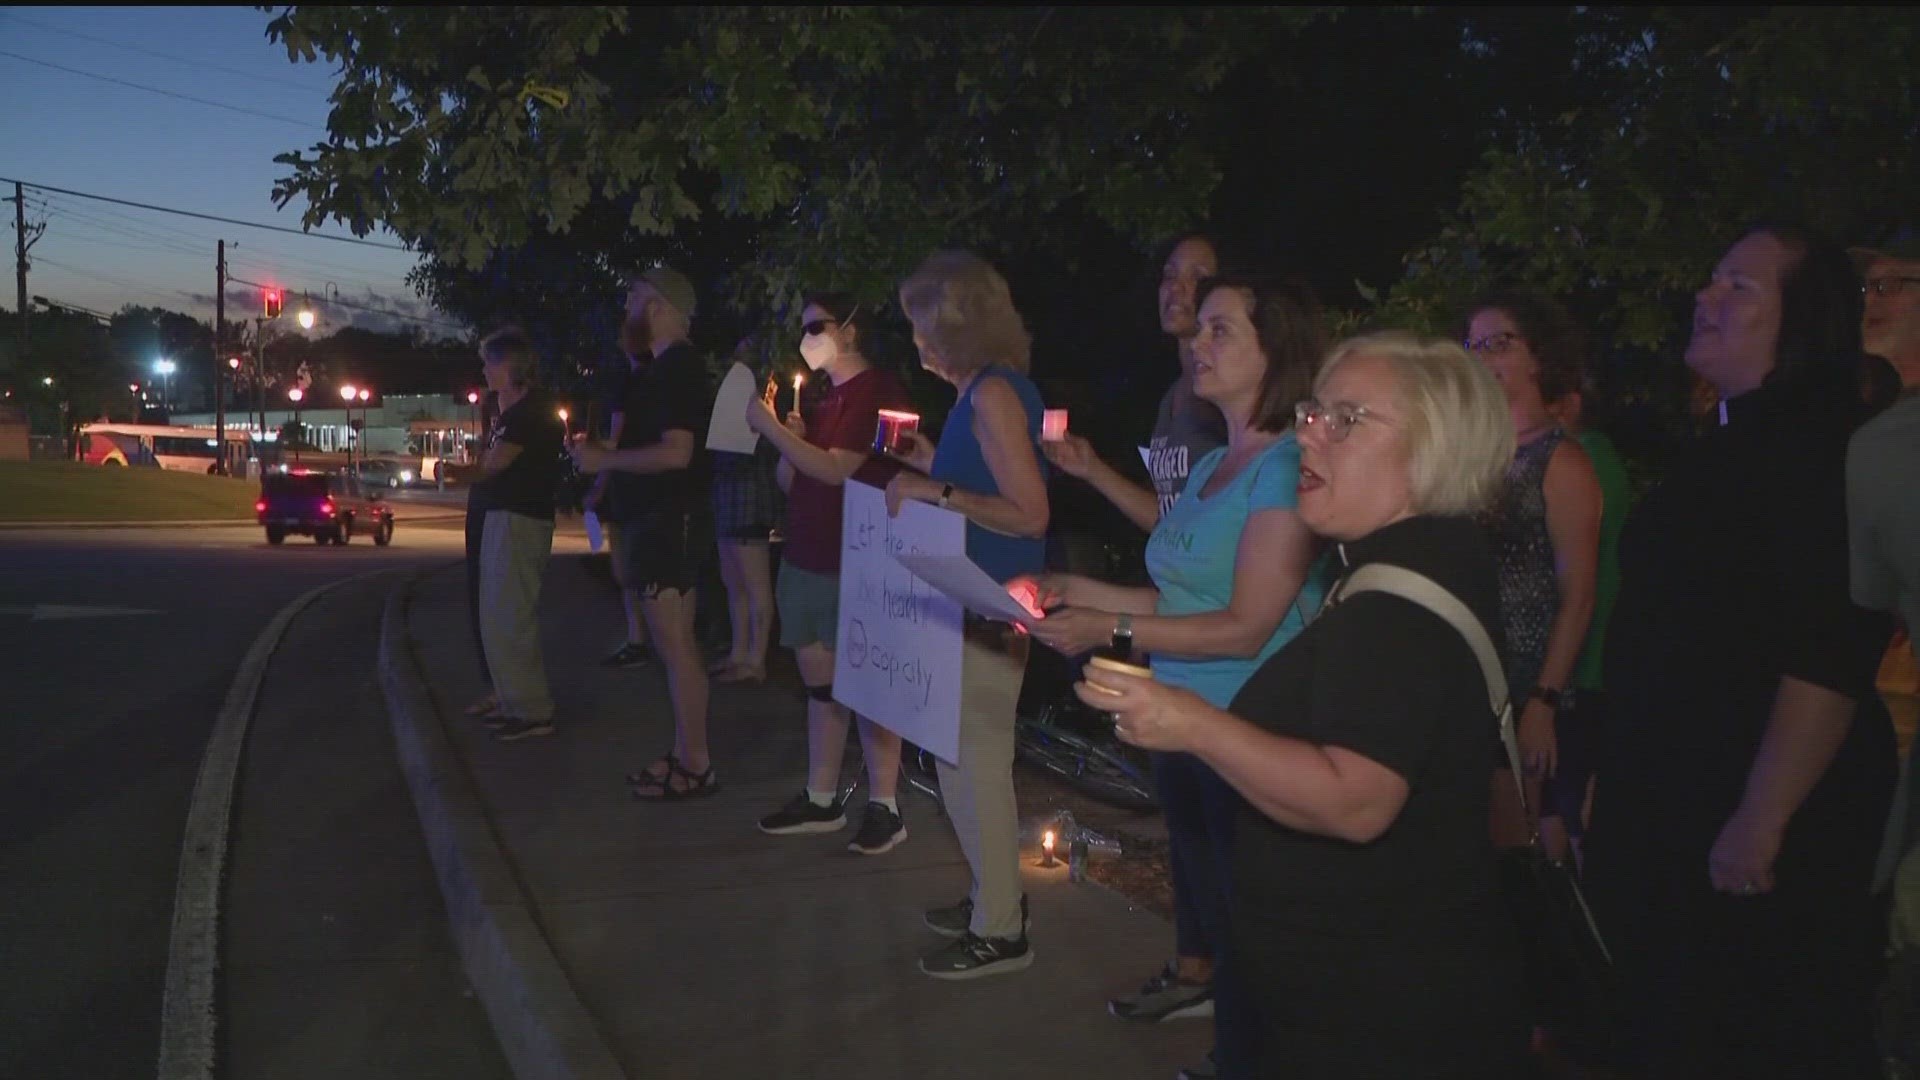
(405, 476)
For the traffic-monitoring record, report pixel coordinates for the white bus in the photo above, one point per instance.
(179, 449)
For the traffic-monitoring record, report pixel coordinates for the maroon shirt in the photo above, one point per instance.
(843, 419)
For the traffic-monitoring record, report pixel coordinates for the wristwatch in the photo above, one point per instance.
(1557, 700)
(945, 494)
(1122, 634)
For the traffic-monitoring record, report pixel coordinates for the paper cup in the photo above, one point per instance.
(1108, 663)
(886, 434)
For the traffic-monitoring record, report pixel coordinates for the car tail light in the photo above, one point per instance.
(260, 507)
(328, 508)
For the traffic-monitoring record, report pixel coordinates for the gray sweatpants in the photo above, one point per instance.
(979, 792)
(513, 558)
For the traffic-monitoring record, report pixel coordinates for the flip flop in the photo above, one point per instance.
(699, 785)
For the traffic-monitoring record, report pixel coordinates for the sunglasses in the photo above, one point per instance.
(818, 326)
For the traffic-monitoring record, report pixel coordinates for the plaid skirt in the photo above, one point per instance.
(746, 500)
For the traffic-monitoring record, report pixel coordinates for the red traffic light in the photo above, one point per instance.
(272, 302)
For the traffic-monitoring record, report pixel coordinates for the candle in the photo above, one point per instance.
(1046, 849)
(1053, 425)
(886, 436)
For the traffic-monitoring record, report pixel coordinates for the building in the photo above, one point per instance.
(403, 426)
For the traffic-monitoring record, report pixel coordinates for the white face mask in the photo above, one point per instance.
(819, 350)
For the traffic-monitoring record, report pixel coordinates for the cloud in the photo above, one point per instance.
(369, 309)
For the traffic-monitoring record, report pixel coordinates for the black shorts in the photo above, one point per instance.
(665, 550)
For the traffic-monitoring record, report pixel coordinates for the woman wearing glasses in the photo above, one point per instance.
(1232, 571)
(1545, 529)
(1368, 930)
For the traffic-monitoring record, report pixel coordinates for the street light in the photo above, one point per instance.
(306, 319)
(165, 368)
(48, 381)
(473, 399)
(347, 394)
(295, 394)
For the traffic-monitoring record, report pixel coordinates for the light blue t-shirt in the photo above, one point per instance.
(1191, 557)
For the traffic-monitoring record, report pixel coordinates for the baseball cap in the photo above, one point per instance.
(1905, 245)
(673, 287)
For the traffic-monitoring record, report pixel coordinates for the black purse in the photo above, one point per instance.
(1568, 968)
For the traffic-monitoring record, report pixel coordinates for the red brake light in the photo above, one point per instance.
(260, 507)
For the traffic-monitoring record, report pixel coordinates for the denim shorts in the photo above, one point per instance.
(809, 606)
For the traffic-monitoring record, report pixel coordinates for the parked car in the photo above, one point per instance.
(325, 506)
(380, 473)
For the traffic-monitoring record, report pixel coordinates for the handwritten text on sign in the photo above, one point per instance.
(897, 661)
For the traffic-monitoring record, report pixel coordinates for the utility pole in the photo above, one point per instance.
(219, 358)
(20, 245)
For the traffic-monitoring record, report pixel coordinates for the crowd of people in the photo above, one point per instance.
(1691, 674)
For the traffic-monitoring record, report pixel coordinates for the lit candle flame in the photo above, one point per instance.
(797, 380)
(1046, 841)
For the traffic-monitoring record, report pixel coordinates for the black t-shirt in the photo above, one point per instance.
(1393, 682)
(670, 392)
(527, 485)
(1733, 574)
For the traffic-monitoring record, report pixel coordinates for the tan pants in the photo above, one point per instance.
(979, 792)
(513, 556)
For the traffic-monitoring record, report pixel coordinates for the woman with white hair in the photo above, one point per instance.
(1368, 928)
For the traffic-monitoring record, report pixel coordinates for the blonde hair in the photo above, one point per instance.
(961, 307)
(1459, 433)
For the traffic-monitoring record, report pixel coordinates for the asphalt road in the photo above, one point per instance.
(117, 648)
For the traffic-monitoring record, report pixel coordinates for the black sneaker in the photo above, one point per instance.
(974, 957)
(880, 832)
(629, 655)
(515, 730)
(803, 815)
(1165, 997)
(956, 920)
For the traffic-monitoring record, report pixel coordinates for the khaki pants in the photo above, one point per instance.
(979, 792)
(513, 557)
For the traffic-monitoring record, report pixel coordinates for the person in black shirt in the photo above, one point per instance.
(634, 651)
(658, 492)
(1748, 765)
(513, 499)
(1368, 927)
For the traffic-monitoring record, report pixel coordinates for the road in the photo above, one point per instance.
(117, 649)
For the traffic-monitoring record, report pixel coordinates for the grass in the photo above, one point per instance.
(62, 491)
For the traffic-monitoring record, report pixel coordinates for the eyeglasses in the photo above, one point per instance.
(818, 326)
(1339, 419)
(1492, 344)
(1887, 286)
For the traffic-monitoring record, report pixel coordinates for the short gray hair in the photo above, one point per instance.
(961, 306)
(511, 346)
(1459, 433)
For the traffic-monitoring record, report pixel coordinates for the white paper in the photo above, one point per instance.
(899, 646)
(1146, 458)
(974, 588)
(592, 521)
(728, 430)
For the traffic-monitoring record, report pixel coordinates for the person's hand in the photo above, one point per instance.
(1073, 630)
(1741, 861)
(908, 486)
(1146, 713)
(760, 416)
(1539, 750)
(588, 459)
(1072, 455)
(797, 423)
(916, 450)
(1049, 591)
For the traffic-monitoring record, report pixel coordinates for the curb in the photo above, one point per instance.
(543, 1029)
(188, 1046)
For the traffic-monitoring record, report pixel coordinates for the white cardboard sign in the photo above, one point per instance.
(727, 428)
(898, 654)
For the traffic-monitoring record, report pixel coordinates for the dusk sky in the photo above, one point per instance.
(85, 134)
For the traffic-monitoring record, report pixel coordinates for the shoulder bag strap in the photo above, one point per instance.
(1424, 591)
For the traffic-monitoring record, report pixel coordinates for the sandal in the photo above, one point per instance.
(659, 786)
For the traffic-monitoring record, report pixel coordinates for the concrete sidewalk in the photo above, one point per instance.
(611, 937)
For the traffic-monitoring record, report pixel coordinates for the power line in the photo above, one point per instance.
(243, 110)
(210, 217)
(200, 64)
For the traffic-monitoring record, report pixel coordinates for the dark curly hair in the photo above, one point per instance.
(1557, 343)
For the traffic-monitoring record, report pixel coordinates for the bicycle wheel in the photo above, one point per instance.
(1092, 769)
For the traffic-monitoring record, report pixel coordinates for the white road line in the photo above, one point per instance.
(187, 1013)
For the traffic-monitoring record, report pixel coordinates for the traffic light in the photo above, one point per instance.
(272, 297)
